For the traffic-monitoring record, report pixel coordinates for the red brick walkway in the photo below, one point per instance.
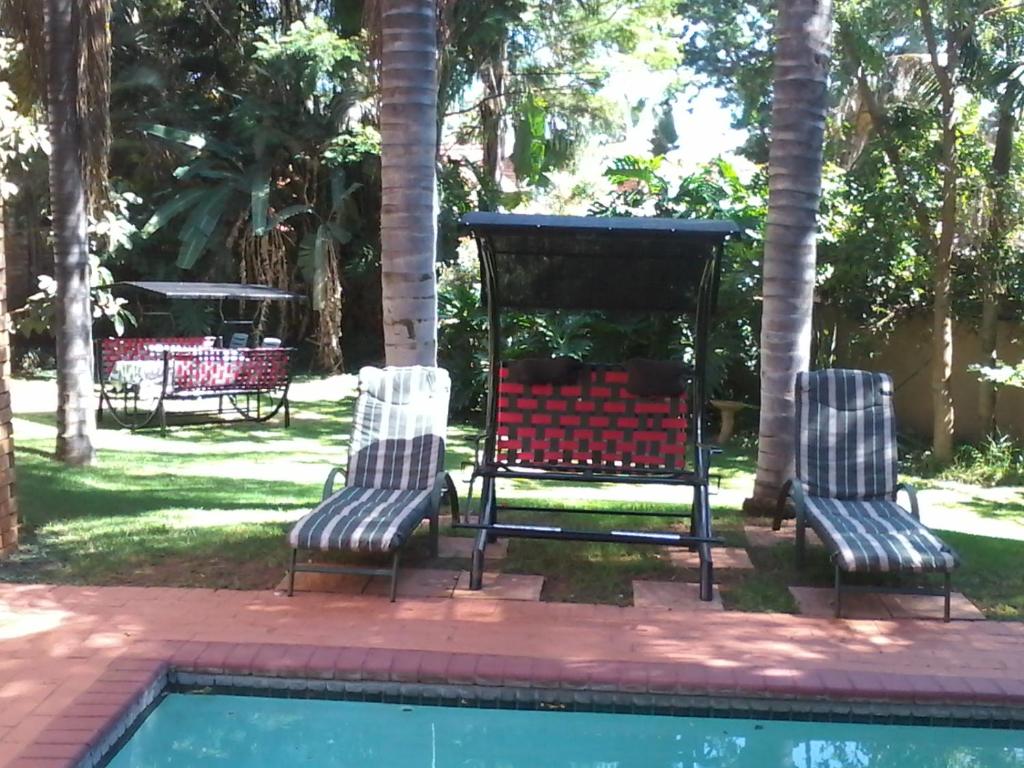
(56, 642)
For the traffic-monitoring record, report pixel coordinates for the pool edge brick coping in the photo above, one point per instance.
(82, 734)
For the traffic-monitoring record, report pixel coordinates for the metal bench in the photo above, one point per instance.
(138, 376)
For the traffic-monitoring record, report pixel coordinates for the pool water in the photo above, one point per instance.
(258, 732)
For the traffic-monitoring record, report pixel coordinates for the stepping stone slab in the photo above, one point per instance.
(462, 547)
(415, 582)
(501, 586)
(335, 583)
(764, 536)
(722, 557)
(818, 602)
(673, 596)
(930, 607)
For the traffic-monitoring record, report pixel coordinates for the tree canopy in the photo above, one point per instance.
(245, 145)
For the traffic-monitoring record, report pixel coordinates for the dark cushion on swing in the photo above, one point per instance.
(557, 371)
(656, 378)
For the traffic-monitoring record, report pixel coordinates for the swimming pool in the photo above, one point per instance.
(259, 732)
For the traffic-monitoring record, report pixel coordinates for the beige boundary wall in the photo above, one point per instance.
(906, 356)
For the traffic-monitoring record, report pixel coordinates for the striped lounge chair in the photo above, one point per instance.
(395, 476)
(846, 488)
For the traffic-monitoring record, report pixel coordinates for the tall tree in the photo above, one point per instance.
(996, 245)
(803, 33)
(994, 63)
(408, 228)
(77, 91)
(937, 35)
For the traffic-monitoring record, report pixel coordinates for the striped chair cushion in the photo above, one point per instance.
(877, 535)
(362, 520)
(400, 422)
(846, 434)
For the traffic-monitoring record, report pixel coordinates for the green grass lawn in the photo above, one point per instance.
(209, 505)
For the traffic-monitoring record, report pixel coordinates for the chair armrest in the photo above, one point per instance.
(329, 483)
(915, 509)
(435, 494)
(791, 489)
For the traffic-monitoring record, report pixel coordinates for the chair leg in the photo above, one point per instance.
(435, 531)
(702, 514)
(949, 590)
(488, 501)
(801, 541)
(291, 573)
(287, 413)
(694, 513)
(707, 574)
(839, 594)
(476, 566)
(394, 577)
(453, 498)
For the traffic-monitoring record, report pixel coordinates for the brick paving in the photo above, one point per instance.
(73, 658)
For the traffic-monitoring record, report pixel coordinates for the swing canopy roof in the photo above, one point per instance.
(597, 263)
(212, 291)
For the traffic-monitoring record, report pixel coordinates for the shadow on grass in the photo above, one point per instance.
(1011, 508)
(121, 522)
(990, 573)
(603, 572)
(327, 422)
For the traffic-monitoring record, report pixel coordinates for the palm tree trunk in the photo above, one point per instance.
(76, 421)
(492, 114)
(8, 504)
(794, 168)
(408, 126)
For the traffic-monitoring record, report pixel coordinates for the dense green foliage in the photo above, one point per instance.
(247, 133)
(923, 168)
(638, 187)
(874, 264)
(245, 145)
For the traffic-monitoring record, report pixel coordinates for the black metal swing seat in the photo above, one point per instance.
(571, 422)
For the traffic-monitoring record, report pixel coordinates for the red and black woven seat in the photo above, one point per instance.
(114, 349)
(596, 425)
(220, 371)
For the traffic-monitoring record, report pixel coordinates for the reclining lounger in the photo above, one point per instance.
(846, 486)
(395, 475)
